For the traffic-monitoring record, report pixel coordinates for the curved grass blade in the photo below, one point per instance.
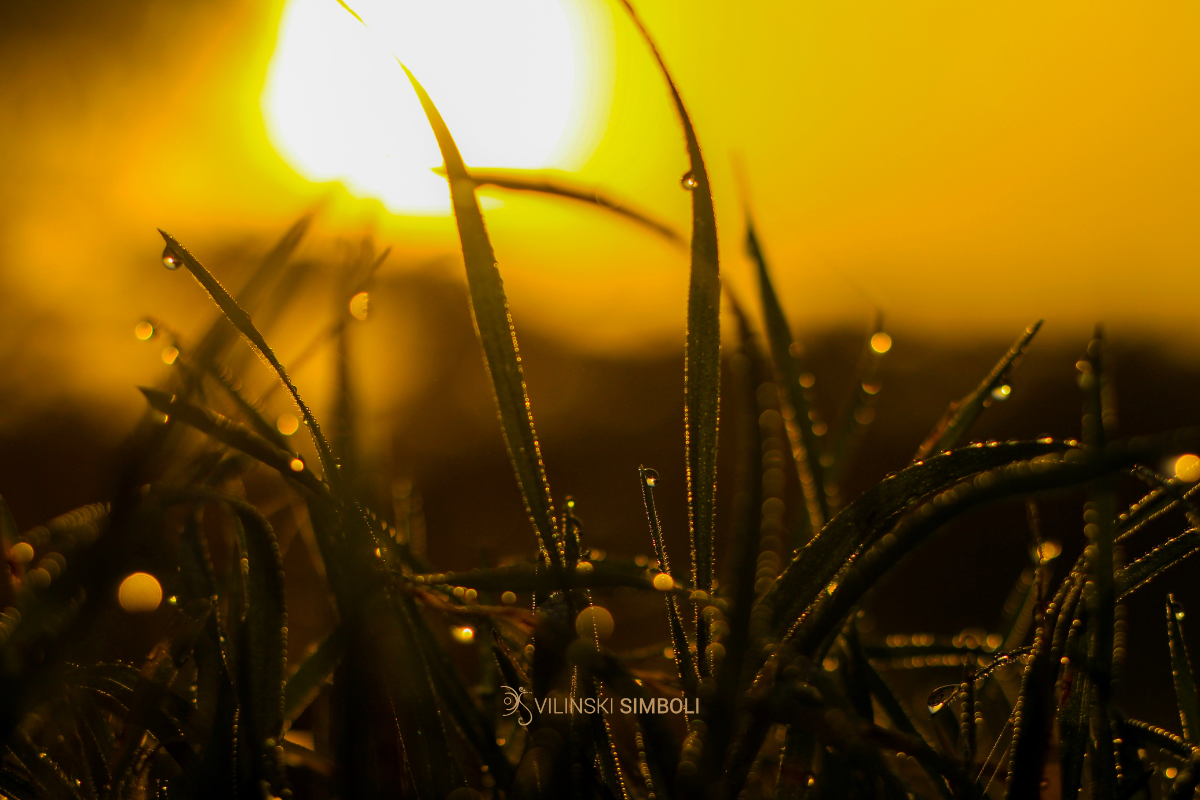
(494, 325)
(306, 681)
(961, 414)
(702, 350)
(241, 321)
(1145, 569)
(235, 435)
(870, 516)
(551, 183)
(1154, 736)
(1047, 472)
(1181, 672)
(805, 444)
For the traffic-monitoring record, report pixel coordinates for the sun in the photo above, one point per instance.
(507, 75)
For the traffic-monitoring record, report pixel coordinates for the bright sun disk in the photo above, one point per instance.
(506, 75)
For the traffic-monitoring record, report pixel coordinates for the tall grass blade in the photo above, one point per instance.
(805, 442)
(241, 320)
(262, 649)
(687, 669)
(1181, 673)
(702, 351)
(493, 323)
(961, 414)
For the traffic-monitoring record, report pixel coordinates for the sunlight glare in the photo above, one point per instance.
(503, 73)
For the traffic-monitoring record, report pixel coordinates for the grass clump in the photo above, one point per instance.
(776, 692)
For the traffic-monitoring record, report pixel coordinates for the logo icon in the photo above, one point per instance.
(514, 703)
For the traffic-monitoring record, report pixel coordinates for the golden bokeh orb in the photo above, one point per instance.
(594, 622)
(139, 593)
(1187, 468)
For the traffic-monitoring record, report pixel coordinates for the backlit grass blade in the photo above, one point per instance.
(235, 435)
(262, 649)
(1050, 471)
(702, 352)
(551, 183)
(493, 324)
(1032, 720)
(314, 670)
(534, 578)
(792, 376)
(1181, 673)
(684, 664)
(961, 414)
(749, 371)
(241, 321)
(870, 516)
(1145, 569)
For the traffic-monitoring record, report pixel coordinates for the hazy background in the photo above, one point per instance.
(966, 170)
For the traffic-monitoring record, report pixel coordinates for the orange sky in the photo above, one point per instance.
(967, 168)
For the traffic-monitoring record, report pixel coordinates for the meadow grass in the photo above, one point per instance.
(783, 693)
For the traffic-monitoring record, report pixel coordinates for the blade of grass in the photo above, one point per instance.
(551, 183)
(870, 516)
(241, 321)
(493, 324)
(313, 671)
(702, 351)
(1145, 569)
(805, 443)
(235, 435)
(684, 665)
(961, 414)
(1181, 673)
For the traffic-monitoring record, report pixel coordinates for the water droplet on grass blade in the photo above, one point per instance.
(650, 477)
(881, 342)
(143, 330)
(664, 582)
(171, 259)
(941, 697)
(688, 181)
(1001, 392)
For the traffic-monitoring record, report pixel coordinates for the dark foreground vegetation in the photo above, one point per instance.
(499, 680)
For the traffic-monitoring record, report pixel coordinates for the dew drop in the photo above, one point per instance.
(143, 330)
(941, 697)
(1176, 608)
(1001, 392)
(664, 582)
(171, 259)
(650, 477)
(296, 464)
(881, 342)
(688, 181)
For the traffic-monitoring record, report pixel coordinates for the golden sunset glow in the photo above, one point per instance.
(509, 79)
